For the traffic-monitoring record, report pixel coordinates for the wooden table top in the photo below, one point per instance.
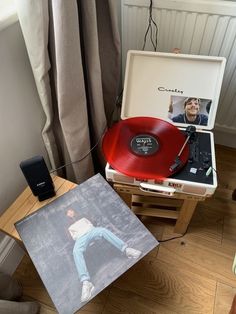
(26, 203)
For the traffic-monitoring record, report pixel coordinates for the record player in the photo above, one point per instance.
(163, 87)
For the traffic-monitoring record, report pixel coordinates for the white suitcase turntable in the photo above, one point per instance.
(177, 90)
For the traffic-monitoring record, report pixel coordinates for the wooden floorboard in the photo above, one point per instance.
(191, 275)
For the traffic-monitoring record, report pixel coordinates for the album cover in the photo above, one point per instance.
(83, 241)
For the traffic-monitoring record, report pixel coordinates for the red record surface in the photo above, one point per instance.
(119, 153)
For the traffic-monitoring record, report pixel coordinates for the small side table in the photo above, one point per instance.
(26, 203)
(180, 206)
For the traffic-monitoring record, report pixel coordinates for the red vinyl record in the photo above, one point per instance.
(144, 147)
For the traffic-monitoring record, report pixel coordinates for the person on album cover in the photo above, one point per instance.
(191, 113)
(83, 232)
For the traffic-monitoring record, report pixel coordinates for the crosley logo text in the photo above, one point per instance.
(173, 90)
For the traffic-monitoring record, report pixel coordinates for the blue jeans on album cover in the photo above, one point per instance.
(82, 243)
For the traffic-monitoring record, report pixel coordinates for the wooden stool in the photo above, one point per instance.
(180, 206)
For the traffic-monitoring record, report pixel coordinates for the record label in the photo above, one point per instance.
(144, 145)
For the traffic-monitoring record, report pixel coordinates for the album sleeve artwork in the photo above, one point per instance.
(83, 241)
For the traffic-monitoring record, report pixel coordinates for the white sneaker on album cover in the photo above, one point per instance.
(87, 290)
(132, 253)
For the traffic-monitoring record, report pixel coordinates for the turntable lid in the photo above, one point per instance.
(159, 84)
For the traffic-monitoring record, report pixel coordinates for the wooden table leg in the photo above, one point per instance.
(185, 215)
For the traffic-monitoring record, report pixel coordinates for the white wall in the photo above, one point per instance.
(21, 115)
(21, 122)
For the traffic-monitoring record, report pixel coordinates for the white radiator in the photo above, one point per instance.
(196, 27)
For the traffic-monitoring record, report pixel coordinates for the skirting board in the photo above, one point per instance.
(11, 255)
(225, 138)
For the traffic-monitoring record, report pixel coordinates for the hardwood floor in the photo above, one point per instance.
(191, 275)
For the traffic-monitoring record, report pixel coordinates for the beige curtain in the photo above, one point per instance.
(74, 50)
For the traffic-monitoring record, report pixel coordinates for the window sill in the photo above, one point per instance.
(8, 15)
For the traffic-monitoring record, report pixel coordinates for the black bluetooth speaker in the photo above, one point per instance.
(38, 177)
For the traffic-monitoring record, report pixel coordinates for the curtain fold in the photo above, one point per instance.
(74, 50)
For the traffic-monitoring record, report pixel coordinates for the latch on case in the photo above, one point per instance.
(158, 189)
